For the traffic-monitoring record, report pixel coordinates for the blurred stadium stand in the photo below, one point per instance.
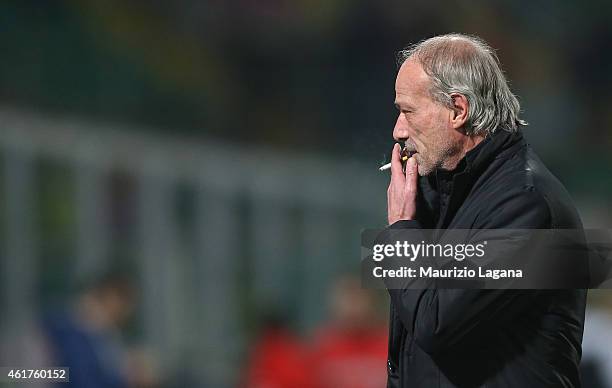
(207, 228)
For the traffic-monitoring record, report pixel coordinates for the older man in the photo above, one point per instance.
(473, 170)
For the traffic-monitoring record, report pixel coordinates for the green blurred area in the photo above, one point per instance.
(315, 76)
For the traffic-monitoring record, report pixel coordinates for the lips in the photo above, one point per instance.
(407, 153)
(409, 148)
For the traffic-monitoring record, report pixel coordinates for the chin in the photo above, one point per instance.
(423, 168)
(425, 173)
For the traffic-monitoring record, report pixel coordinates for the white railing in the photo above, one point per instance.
(282, 223)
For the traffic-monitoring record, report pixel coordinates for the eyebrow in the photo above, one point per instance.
(406, 106)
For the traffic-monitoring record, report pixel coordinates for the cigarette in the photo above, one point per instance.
(388, 165)
(385, 167)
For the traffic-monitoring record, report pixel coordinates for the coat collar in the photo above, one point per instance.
(458, 183)
(478, 158)
(500, 144)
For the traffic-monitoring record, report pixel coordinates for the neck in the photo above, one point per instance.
(468, 143)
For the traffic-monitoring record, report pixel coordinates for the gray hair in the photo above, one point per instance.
(463, 64)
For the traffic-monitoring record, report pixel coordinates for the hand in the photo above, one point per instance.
(402, 191)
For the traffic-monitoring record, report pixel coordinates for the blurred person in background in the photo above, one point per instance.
(350, 350)
(278, 359)
(596, 365)
(87, 337)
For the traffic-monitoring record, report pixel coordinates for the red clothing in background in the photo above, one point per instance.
(278, 360)
(350, 359)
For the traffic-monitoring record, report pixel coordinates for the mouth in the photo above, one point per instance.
(405, 155)
(409, 147)
(407, 152)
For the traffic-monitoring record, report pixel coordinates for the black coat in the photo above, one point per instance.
(489, 338)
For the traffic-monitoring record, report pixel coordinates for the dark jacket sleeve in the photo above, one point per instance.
(439, 318)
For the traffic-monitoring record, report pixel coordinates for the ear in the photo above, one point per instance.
(460, 110)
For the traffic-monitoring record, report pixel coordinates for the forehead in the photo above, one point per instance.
(411, 81)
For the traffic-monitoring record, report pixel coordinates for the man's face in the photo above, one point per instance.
(423, 123)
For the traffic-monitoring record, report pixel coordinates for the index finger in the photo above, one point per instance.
(412, 174)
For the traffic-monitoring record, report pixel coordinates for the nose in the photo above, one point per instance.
(400, 131)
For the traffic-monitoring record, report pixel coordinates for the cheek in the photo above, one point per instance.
(436, 125)
(421, 130)
(441, 119)
(430, 133)
(416, 127)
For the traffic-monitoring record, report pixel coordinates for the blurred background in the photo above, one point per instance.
(183, 184)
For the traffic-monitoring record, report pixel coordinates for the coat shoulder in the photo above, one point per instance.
(523, 184)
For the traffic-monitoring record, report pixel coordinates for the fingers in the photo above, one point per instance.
(396, 163)
(411, 177)
(402, 190)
